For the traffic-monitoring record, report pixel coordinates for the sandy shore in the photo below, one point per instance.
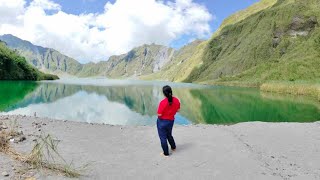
(269, 151)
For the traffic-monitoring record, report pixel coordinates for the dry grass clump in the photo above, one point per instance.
(44, 155)
(5, 135)
(8, 133)
(4, 143)
(225, 82)
(293, 88)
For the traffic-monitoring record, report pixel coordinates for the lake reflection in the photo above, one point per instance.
(135, 102)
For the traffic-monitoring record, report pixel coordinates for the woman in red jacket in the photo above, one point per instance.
(167, 109)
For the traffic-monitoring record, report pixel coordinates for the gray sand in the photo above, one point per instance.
(254, 151)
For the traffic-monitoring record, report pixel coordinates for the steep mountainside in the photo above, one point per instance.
(273, 40)
(142, 60)
(241, 15)
(15, 67)
(181, 65)
(193, 53)
(281, 42)
(139, 61)
(42, 58)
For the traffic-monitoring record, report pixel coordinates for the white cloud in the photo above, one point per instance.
(45, 4)
(93, 37)
(10, 11)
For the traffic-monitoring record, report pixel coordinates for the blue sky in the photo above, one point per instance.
(221, 9)
(94, 34)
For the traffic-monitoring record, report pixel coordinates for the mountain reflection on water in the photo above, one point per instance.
(135, 102)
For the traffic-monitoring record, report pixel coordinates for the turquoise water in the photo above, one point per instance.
(128, 102)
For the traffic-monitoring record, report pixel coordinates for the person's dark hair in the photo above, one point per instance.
(167, 91)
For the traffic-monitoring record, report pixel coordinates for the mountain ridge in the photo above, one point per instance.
(126, 65)
(276, 44)
(46, 59)
(272, 40)
(15, 67)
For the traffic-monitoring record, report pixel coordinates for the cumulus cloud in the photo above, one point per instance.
(123, 25)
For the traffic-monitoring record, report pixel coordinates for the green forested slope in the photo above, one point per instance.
(15, 67)
(42, 58)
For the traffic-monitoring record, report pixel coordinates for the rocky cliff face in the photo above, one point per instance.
(43, 58)
(139, 61)
(15, 67)
(164, 56)
(183, 61)
(142, 60)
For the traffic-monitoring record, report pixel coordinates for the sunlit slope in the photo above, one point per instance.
(243, 14)
(190, 57)
(281, 42)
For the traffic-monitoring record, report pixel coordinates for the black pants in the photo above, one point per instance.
(165, 133)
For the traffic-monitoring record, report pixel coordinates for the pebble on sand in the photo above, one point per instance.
(20, 139)
(5, 174)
